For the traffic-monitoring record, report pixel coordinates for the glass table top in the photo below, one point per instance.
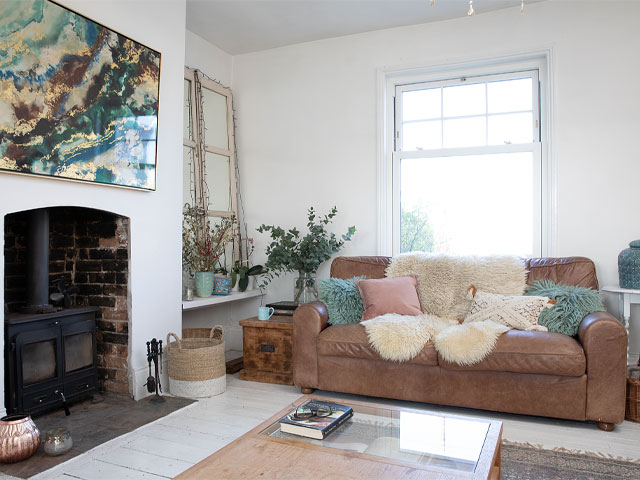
(424, 438)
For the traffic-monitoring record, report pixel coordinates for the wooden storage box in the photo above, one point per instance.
(267, 350)
(632, 411)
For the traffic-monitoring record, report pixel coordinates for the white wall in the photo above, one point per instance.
(155, 241)
(307, 121)
(208, 58)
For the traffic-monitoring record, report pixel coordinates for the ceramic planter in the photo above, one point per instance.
(204, 284)
(629, 266)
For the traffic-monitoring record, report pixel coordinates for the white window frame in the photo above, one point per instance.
(391, 80)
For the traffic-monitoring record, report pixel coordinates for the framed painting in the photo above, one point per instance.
(77, 100)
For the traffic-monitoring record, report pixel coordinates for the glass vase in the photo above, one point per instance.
(305, 289)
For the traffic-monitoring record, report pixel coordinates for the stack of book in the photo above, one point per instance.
(283, 308)
(317, 427)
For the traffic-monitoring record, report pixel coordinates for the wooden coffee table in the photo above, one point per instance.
(378, 442)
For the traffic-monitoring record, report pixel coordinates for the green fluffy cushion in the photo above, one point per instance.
(573, 304)
(342, 299)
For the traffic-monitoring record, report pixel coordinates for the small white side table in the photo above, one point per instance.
(626, 297)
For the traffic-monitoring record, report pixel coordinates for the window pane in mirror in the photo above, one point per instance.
(217, 176)
(186, 119)
(214, 111)
(465, 132)
(510, 128)
(464, 100)
(510, 95)
(446, 201)
(421, 104)
(422, 135)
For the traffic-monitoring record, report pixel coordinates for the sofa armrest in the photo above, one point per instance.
(308, 321)
(604, 341)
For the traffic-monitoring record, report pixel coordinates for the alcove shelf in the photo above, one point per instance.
(218, 299)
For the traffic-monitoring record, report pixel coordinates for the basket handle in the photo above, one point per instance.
(171, 334)
(217, 328)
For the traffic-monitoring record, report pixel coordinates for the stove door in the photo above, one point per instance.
(39, 367)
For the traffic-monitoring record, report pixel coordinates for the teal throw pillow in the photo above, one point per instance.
(573, 304)
(342, 299)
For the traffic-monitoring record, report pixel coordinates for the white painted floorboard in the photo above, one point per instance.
(172, 444)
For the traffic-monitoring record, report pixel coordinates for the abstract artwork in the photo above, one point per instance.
(77, 100)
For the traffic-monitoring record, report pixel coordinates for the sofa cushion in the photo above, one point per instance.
(351, 341)
(531, 352)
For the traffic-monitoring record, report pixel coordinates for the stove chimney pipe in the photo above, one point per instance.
(38, 261)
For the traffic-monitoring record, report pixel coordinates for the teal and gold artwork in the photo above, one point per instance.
(77, 100)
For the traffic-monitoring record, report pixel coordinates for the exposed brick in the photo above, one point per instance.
(121, 278)
(111, 314)
(106, 349)
(87, 242)
(115, 338)
(61, 241)
(102, 254)
(115, 362)
(122, 351)
(101, 301)
(121, 303)
(81, 277)
(89, 266)
(122, 327)
(122, 254)
(13, 269)
(115, 290)
(106, 326)
(107, 373)
(90, 289)
(112, 266)
(108, 277)
(121, 376)
(116, 387)
(83, 253)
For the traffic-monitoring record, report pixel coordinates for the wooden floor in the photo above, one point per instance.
(172, 444)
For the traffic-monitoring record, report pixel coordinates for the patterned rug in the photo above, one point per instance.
(530, 463)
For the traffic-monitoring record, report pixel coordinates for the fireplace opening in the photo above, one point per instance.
(68, 262)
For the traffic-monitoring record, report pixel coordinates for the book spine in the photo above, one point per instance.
(333, 427)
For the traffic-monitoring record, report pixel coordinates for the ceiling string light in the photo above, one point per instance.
(471, 11)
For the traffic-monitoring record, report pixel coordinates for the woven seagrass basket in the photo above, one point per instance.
(632, 411)
(196, 363)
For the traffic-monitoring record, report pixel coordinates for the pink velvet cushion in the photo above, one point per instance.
(389, 295)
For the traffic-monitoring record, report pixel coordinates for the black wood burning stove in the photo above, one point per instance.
(49, 357)
(50, 353)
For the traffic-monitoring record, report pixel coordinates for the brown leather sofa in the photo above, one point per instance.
(532, 373)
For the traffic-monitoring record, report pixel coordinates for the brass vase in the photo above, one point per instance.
(19, 438)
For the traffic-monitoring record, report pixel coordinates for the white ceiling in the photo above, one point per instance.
(243, 26)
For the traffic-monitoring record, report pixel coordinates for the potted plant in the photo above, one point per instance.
(288, 251)
(241, 274)
(202, 246)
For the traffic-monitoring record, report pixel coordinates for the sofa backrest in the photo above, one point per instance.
(578, 271)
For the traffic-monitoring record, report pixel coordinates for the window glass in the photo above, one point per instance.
(214, 112)
(218, 181)
(474, 204)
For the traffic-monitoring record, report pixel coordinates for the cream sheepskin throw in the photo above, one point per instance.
(443, 280)
(400, 337)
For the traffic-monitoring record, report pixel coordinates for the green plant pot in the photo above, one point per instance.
(204, 284)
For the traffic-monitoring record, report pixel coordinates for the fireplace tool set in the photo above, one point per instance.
(154, 354)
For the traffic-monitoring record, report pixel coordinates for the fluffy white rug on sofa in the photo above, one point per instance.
(443, 284)
(400, 337)
(443, 280)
